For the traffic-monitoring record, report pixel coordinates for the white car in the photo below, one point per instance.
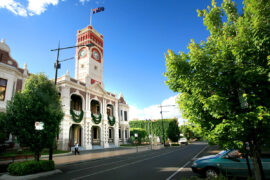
(183, 141)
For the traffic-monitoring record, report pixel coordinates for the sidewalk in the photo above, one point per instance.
(98, 154)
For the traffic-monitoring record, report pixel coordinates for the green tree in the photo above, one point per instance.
(38, 102)
(224, 81)
(141, 134)
(173, 132)
(3, 128)
(191, 131)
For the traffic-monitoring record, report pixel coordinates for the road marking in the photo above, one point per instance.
(117, 167)
(199, 152)
(180, 169)
(129, 158)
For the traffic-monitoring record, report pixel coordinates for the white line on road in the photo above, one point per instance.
(114, 162)
(180, 169)
(135, 162)
(199, 152)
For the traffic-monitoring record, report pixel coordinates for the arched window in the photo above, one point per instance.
(95, 107)
(76, 102)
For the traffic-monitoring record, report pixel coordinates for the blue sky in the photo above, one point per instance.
(136, 33)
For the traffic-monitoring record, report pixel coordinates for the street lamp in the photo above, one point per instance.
(136, 136)
(150, 135)
(57, 66)
(162, 121)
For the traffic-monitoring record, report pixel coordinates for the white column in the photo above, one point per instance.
(104, 125)
(116, 126)
(87, 126)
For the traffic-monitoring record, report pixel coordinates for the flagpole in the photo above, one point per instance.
(91, 13)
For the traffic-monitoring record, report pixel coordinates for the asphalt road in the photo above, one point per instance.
(167, 163)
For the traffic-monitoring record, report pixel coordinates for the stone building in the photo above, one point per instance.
(94, 118)
(12, 77)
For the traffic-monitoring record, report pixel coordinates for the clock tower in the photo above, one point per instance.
(89, 60)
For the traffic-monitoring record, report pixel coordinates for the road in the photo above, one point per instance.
(167, 163)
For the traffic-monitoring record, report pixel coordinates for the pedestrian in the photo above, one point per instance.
(77, 148)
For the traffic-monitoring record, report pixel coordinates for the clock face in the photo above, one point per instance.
(82, 53)
(96, 55)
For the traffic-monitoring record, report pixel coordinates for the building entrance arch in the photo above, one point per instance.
(95, 132)
(75, 135)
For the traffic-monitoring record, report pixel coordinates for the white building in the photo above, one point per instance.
(11, 76)
(94, 118)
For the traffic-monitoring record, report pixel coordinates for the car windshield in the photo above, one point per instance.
(221, 153)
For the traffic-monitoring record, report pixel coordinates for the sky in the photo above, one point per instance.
(137, 34)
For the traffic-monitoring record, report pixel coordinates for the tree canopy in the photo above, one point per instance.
(224, 81)
(38, 102)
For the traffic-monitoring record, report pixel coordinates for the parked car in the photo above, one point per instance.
(229, 163)
(183, 141)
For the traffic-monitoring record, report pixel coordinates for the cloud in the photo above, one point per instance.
(33, 7)
(153, 111)
(83, 1)
(13, 6)
(37, 7)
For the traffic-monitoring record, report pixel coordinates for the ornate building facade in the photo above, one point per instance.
(94, 118)
(12, 77)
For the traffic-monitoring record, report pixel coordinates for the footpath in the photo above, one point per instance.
(98, 154)
(70, 157)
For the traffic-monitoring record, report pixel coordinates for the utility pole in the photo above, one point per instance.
(150, 135)
(161, 113)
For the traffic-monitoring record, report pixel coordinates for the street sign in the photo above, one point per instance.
(39, 125)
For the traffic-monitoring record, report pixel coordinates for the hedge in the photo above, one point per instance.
(30, 167)
(141, 133)
(156, 126)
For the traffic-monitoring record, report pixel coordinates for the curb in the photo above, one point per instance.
(31, 176)
(57, 155)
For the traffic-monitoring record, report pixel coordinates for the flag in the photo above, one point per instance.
(97, 10)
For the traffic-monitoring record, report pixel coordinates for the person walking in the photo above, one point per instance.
(77, 148)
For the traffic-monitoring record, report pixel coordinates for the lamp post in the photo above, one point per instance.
(57, 66)
(162, 121)
(150, 135)
(57, 63)
(136, 136)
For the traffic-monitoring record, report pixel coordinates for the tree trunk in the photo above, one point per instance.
(248, 165)
(257, 164)
(51, 154)
(37, 156)
(247, 160)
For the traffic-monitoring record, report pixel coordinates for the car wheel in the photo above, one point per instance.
(211, 173)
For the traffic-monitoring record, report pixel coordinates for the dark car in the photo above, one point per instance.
(229, 163)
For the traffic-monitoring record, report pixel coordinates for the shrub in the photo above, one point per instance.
(30, 167)
(141, 134)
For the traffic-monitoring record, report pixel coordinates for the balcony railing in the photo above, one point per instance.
(96, 141)
(77, 112)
